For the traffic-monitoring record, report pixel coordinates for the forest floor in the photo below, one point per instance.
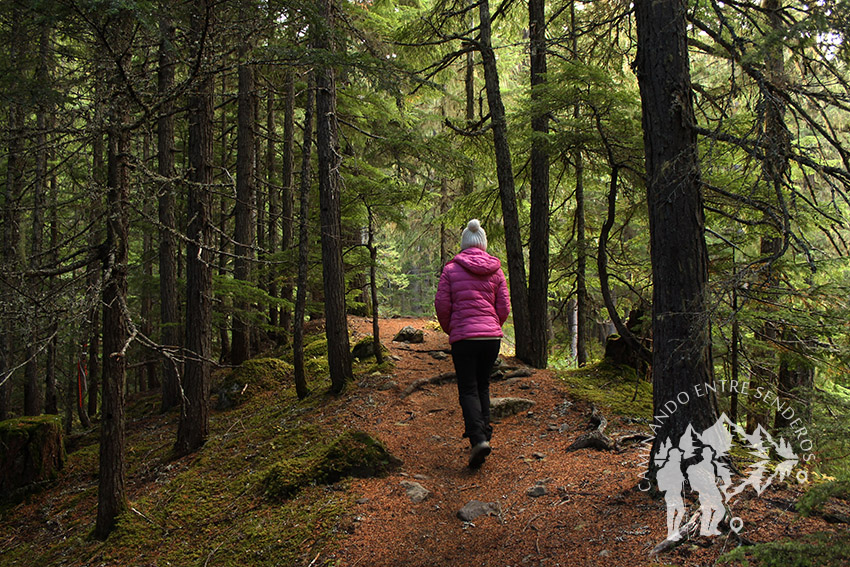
(549, 507)
(592, 512)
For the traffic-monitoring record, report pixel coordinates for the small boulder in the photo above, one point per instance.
(353, 453)
(475, 508)
(253, 376)
(504, 407)
(410, 335)
(365, 348)
(415, 491)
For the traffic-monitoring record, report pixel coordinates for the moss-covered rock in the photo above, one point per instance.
(353, 453)
(318, 347)
(253, 376)
(32, 452)
(365, 348)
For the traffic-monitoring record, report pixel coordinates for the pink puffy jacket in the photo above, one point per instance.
(472, 297)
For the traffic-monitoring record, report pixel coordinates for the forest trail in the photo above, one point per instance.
(547, 506)
(553, 507)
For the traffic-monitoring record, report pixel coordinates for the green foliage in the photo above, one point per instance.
(822, 549)
(812, 502)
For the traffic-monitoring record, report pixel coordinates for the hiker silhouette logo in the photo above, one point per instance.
(700, 459)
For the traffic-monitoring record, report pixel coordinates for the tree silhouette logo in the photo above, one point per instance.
(702, 460)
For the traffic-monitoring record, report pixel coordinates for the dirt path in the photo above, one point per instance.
(590, 513)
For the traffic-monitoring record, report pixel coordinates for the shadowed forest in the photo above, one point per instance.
(216, 217)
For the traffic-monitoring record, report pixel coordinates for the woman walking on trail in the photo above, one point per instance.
(472, 304)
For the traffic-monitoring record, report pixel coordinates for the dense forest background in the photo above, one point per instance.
(186, 183)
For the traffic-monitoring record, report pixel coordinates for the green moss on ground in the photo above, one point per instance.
(207, 508)
(353, 453)
(822, 549)
(611, 387)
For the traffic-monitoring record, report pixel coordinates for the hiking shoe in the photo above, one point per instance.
(478, 453)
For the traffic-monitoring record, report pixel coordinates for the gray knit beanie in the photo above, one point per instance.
(473, 236)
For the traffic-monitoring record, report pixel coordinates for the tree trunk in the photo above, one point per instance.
(51, 399)
(327, 147)
(223, 238)
(51, 402)
(150, 377)
(168, 250)
(681, 342)
(288, 193)
(795, 382)
(94, 272)
(12, 214)
(469, 90)
(193, 427)
(373, 288)
(303, 243)
(33, 401)
(111, 499)
(582, 306)
(507, 192)
(274, 198)
(244, 212)
(538, 247)
(581, 264)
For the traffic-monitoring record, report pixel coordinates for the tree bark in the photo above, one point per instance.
(681, 343)
(111, 490)
(245, 210)
(12, 214)
(538, 248)
(168, 250)
(33, 401)
(469, 91)
(46, 121)
(581, 264)
(223, 239)
(303, 243)
(329, 161)
(373, 289)
(150, 378)
(287, 182)
(93, 272)
(507, 191)
(193, 428)
(51, 400)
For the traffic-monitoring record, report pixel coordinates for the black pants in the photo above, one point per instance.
(473, 360)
